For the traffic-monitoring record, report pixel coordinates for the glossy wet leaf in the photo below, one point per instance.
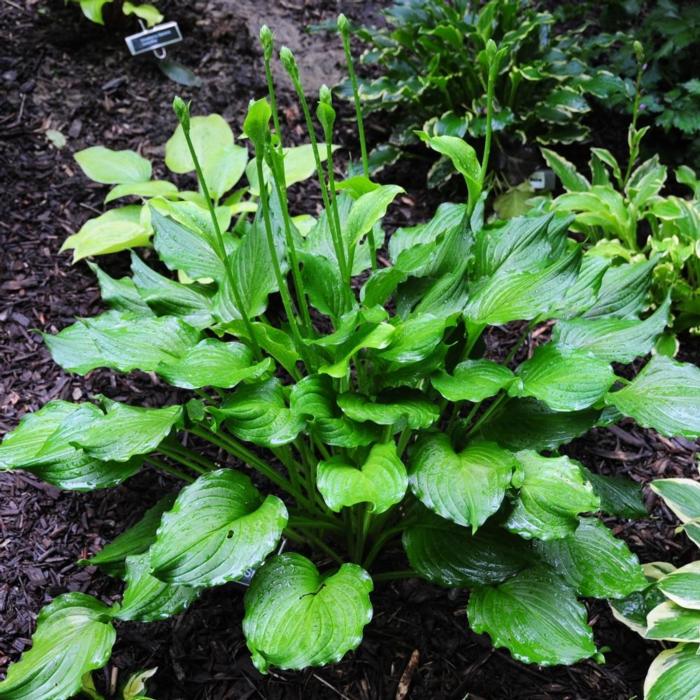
(219, 527)
(623, 291)
(619, 495)
(683, 586)
(296, 617)
(673, 623)
(367, 210)
(674, 673)
(535, 615)
(381, 481)
(110, 167)
(366, 336)
(415, 339)
(465, 487)
(391, 407)
(74, 635)
(472, 380)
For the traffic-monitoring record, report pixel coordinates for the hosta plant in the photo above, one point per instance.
(668, 608)
(342, 411)
(93, 9)
(429, 69)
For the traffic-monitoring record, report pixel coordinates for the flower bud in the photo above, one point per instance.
(267, 41)
(289, 63)
(182, 112)
(343, 25)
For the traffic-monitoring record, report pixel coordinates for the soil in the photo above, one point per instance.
(59, 72)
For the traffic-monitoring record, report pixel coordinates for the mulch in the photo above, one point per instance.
(59, 72)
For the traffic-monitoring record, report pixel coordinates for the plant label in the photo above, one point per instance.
(543, 180)
(153, 39)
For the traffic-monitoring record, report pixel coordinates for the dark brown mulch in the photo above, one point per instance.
(59, 72)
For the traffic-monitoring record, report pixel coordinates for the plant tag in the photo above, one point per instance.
(542, 180)
(153, 39)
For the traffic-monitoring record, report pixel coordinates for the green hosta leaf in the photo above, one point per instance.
(529, 424)
(612, 339)
(136, 540)
(536, 616)
(121, 294)
(682, 496)
(381, 481)
(472, 380)
(673, 623)
(152, 188)
(367, 336)
(594, 562)
(645, 182)
(392, 407)
(110, 167)
(223, 163)
(258, 413)
(74, 635)
(323, 285)
(147, 599)
(565, 381)
(92, 9)
(451, 556)
(553, 493)
(213, 363)
(296, 617)
(466, 487)
(367, 210)
(623, 291)
(111, 232)
(581, 295)
(219, 527)
(618, 495)
(683, 586)
(148, 13)
(665, 396)
(674, 674)
(121, 341)
(314, 398)
(570, 178)
(415, 339)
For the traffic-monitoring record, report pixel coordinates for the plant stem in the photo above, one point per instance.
(317, 541)
(491, 85)
(191, 454)
(167, 469)
(487, 413)
(182, 459)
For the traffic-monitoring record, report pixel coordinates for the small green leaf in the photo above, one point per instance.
(683, 586)
(394, 407)
(257, 122)
(152, 188)
(367, 336)
(381, 481)
(552, 495)
(674, 674)
(148, 13)
(295, 617)
(565, 381)
(570, 178)
(74, 635)
(664, 396)
(273, 340)
(367, 210)
(536, 616)
(110, 167)
(466, 487)
(219, 527)
(619, 495)
(593, 562)
(451, 556)
(472, 380)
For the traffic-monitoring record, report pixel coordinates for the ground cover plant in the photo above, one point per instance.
(93, 10)
(393, 424)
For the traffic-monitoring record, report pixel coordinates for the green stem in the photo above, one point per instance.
(493, 73)
(312, 539)
(191, 454)
(182, 459)
(167, 469)
(487, 414)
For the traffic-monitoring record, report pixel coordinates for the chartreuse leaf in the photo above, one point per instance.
(391, 407)
(115, 230)
(315, 399)
(673, 623)
(451, 556)
(213, 363)
(296, 617)
(565, 381)
(612, 339)
(528, 424)
(74, 635)
(381, 481)
(594, 562)
(465, 487)
(619, 495)
(552, 493)
(259, 414)
(152, 188)
(683, 586)
(219, 527)
(136, 540)
(223, 163)
(664, 396)
(536, 616)
(148, 13)
(472, 380)
(674, 674)
(682, 496)
(110, 167)
(146, 598)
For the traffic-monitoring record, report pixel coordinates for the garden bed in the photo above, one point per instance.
(66, 75)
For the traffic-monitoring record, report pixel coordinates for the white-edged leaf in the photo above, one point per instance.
(674, 674)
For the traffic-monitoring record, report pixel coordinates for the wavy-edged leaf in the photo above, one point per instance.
(553, 492)
(395, 407)
(381, 481)
(219, 527)
(565, 381)
(453, 556)
(146, 598)
(623, 291)
(536, 616)
(121, 294)
(674, 674)
(74, 635)
(368, 335)
(683, 586)
(594, 562)
(296, 617)
(110, 167)
(415, 339)
(273, 340)
(466, 487)
(472, 380)
(664, 396)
